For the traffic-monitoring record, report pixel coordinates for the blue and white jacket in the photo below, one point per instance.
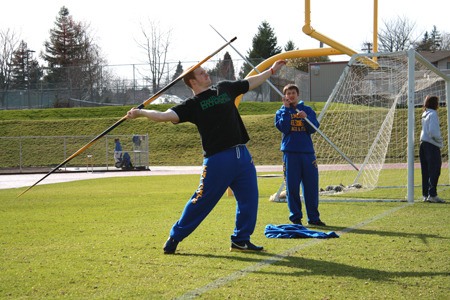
(296, 131)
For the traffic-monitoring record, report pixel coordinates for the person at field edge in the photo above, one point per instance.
(117, 151)
(430, 150)
(227, 161)
(299, 158)
(122, 159)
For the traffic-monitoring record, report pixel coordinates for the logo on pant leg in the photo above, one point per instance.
(199, 191)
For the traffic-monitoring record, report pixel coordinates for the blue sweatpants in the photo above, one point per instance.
(232, 168)
(300, 170)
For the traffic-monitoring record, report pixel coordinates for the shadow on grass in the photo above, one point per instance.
(422, 236)
(302, 266)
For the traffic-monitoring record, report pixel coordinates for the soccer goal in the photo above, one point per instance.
(373, 116)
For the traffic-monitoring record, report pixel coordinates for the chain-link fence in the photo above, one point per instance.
(42, 153)
(132, 84)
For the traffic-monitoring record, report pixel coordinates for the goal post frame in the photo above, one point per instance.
(412, 57)
(412, 60)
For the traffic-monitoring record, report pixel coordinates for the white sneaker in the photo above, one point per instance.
(425, 199)
(435, 199)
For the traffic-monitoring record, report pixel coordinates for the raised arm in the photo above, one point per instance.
(257, 80)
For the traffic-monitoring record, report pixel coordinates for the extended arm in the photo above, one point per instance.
(154, 115)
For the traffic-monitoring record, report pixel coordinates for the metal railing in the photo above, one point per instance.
(27, 154)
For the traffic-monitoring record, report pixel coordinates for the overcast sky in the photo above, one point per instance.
(116, 25)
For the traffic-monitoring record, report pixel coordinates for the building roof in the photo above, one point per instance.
(435, 56)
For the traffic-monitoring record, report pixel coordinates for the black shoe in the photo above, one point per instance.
(170, 246)
(245, 246)
(298, 222)
(317, 223)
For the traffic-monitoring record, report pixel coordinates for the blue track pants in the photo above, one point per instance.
(232, 168)
(300, 170)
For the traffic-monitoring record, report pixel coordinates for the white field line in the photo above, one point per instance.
(256, 267)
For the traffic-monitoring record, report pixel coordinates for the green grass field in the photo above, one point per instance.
(103, 238)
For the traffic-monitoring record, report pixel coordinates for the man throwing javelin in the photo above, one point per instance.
(227, 161)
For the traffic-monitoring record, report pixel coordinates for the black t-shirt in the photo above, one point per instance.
(216, 116)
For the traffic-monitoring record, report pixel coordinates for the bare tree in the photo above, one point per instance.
(8, 44)
(155, 44)
(445, 41)
(396, 35)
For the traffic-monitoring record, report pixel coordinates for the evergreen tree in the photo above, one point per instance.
(178, 71)
(425, 44)
(436, 39)
(62, 51)
(290, 46)
(25, 70)
(19, 67)
(264, 45)
(73, 59)
(431, 41)
(224, 69)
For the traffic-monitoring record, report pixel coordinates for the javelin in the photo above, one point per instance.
(142, 105)
(306, 118)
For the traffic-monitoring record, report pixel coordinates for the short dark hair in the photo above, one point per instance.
(290, 86)
(431, 102)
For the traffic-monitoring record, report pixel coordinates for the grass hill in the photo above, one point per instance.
(168, 144)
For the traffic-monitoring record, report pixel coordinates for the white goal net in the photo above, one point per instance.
(366, 117)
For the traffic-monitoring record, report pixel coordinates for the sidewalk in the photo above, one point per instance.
(26, 180)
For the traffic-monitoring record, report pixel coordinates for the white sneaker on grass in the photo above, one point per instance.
(435, 199)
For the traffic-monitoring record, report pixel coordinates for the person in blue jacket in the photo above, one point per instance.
(299, 158)
(430, 150)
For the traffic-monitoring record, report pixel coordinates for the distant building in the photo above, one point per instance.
(323, 77)
(440, 59)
